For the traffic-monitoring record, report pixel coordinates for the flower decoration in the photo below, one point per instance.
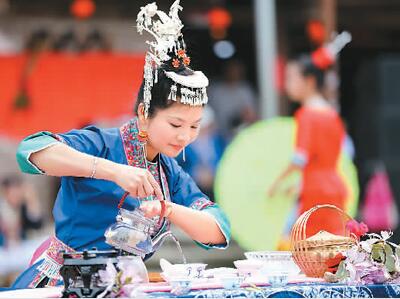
(175, 63)
(186, 60)
(181, 53)
(181, 57)
(120, 280)
(374, 260)
(356, 229)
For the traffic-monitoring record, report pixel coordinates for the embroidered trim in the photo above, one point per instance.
(52, 262)
(133, 150)
(201, 203)
(58, 138)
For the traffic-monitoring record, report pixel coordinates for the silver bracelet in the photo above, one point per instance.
(94, 168)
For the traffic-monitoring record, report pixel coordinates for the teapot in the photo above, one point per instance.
(132, 233)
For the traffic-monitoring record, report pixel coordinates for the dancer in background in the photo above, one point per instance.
(319, 138)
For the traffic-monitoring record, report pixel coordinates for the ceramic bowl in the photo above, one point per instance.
(248, 267)
(275, 262)
(278, 280)
(187, 271)
(269, 255)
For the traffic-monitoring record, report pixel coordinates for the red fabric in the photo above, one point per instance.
(320, 133)
(67, 91)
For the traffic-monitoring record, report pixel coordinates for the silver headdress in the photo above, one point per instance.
(168, 46)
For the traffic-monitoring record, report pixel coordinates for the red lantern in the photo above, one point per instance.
(83, 9)
(219, 19)
(316, 32)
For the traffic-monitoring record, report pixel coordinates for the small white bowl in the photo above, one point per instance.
(269, 255)
(278, 280)
(188, 271)
(275, 262)
(248, 267)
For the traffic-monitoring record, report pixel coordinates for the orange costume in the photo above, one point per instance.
(319, 137)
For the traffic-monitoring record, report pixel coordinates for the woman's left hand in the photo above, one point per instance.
(151, 208)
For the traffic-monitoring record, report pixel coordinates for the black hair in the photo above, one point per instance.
(161, 89)
(308, 68)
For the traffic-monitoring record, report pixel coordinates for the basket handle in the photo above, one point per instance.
(299, 228)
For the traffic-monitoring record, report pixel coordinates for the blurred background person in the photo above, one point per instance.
(67, 42)
(233, 100)
(319, 140)
(96, 41)
(379, 197)
(21, 221)
(20, 211)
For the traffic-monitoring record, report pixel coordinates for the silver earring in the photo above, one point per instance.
(184, 155)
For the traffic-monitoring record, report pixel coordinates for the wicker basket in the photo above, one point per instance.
(311, 253)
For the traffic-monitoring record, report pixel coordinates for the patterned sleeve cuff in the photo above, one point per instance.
(300, 158)
(59, 138)
(220, 219)
(201, 204)
(33, 144)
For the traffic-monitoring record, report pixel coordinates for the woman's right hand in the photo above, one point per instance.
(137, 181)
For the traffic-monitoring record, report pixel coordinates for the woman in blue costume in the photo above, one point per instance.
(97, 166)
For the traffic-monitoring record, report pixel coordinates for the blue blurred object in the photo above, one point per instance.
(231, 282)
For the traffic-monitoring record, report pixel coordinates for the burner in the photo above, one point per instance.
(80, 272)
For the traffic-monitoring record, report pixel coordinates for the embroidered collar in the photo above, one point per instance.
(133, 149)
(136, 157)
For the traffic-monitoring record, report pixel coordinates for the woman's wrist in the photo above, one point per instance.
(168, 209)
(165, 210)
(104, 169)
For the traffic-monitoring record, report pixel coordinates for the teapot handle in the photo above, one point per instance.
(121, 201)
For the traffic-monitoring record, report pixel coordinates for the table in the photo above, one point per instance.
(320, 290)
(307, 290)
